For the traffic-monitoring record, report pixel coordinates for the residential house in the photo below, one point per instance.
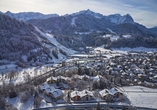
(86, 95)
(75, 96)
(106, 96)
(51, 80)
(50, 91)
(110, 94)
(43, 87)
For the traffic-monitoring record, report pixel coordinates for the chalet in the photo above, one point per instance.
(75, 96)
(43, 87)
(61, 78)
(115, 92)
(86, 95)
(85, 77)
(50, 91)
(106, 96)
(110, 94)
(96, 78)
(56, 94)
(51, 80)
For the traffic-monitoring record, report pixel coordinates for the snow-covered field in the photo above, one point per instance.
(102, 49)
(22, 75)
(21, 106)
(125, 50)
(137, 49)
(141, 96)
(51, 38)
(73, 21)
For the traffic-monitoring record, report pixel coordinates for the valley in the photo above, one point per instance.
(83, 60)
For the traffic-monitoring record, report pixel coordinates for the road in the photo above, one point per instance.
(89, 106)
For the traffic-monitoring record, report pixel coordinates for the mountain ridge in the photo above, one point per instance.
(25, 44)
(87, 28)
(24, 16)
(85, 25)
(37, 15)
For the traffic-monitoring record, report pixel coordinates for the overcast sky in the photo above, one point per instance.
(142, 11)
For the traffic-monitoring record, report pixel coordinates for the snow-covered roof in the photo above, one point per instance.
(43, 86)
(84, 76)
(74, 93)
(56, 93)
(97, 77)
(86, 92)
(103, 92)
(81, 93)
(50, 89)
(51, 78)
(111, 91)
(155, 76)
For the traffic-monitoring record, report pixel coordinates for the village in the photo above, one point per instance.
(97, 78)
(93, 77)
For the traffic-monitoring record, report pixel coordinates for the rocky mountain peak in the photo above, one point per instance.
(88, 12)
(118, 19)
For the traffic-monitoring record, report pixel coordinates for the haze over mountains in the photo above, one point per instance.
(20, 38)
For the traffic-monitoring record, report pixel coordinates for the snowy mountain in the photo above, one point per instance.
(88, 12)
(118, 19)
(24, 16)
(24, 44)
(84, 28)
(89, 26)
(87, 21)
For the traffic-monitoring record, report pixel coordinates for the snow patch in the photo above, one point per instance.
(73, 21)
(111, 31)
(112, 37)
(51, 38)
(80, 33)
(127, 36)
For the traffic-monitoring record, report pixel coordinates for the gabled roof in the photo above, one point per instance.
(111, 91)
(85, 93)
(81, 93)
(74, 93)
(56, 93)
(103, 92)
(96, 78)
(84, 76)
(43, 86)
(50, 89)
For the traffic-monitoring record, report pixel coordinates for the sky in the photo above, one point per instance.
(142, 11)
